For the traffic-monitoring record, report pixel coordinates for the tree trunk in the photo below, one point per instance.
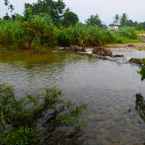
(29, 44)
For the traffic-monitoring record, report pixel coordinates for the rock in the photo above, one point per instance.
(97, 50)
(118, 55)
(102, 51)
(61, 48)
(89, 50)
(129, 110)
(76, 48)
(131, 45)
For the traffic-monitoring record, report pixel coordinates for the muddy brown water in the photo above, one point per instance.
(107, 87)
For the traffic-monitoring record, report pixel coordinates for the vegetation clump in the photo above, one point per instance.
(138, 61)
(38, 120)
(140, 101)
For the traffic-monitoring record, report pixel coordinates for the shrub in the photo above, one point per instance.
(18, 136)
(63, 37)
(39, 29)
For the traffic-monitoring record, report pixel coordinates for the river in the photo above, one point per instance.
(107, 87)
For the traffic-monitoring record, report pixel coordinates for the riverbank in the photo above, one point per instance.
(106, 52)
(110, 50)
(132, 45)
(138, 48)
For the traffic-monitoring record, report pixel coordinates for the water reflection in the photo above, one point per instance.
(30, 72)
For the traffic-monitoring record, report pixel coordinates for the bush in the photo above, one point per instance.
(63, 37)
(39, 29)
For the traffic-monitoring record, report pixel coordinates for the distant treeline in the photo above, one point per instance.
(48, 23)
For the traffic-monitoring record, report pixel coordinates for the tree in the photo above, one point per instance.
(116, 19)
(28, 11)
(10, 8)
(124, 19)
(69, 18)
(54, 9)
(6, 17)
(38, 28)
(94, 20)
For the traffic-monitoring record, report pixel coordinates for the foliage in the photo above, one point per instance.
(140, 101)
(116, 19)
(22, 120)
(39, 29)
(94, 20)
(47, 24)
(142, 73)
(52, 8)
(24, 34)
(90, 35)
(10, 9)
(20, 136)
(10, 33)
(128, 32)
(124, 19)
(69, 18)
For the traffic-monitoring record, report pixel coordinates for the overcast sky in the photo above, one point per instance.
(105, 8)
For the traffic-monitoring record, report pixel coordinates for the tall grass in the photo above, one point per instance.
(39, 31)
